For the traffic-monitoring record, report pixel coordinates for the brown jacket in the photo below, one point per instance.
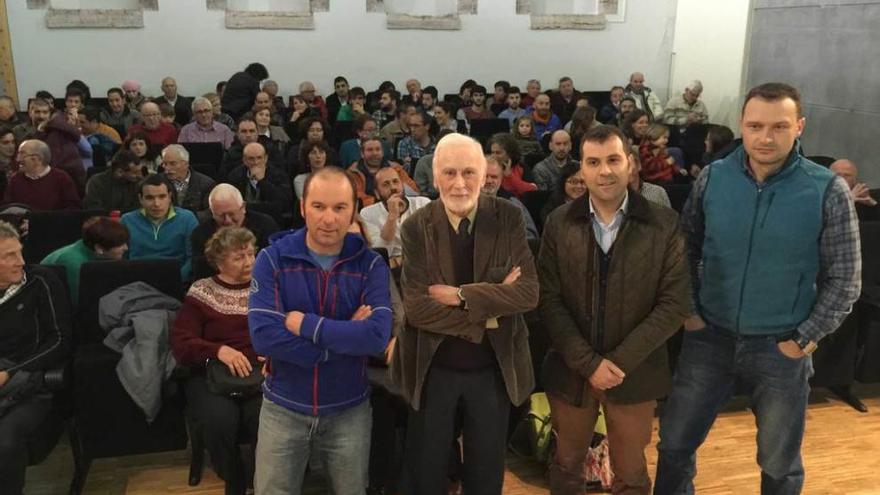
(647, 300)
(500, 245)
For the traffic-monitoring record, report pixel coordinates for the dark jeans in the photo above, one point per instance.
(16, 427)
(224, 422)
(712, 362)
(482, 401)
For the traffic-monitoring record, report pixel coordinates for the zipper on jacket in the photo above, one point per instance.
(742, 284)
(594, 302)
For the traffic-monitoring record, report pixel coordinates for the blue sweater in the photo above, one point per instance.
(170, 239)
(323, 370)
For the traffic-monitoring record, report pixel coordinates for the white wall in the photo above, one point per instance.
(185, 40)
(710, 39)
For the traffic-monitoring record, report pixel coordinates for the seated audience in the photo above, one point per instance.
(517, 180)
(719, 143)
(547, 171)
(277, 103)
(74, 99)
(99, 136)
(565, 100)
(350, 150)
(477, 109)
(228, 209)
(659, 166)
(363, 172)
(314, 157)
(160, 133)
(544, 121)
(115, 188)
(418, 144)
(865, 198)
(299, 112)
(160, 229)
(241, 90)
(260, 182)
(398, 129)
(35, 311)
(211, 328)
(355, 107)
(191, 187)
(38, 184)
(444, 116)
(429, 100)
(168, 116)
(217, 110)
(627, 105)
(413, 93)
(569, 187)
(424, 172)
(338, 99)
(8, 115)
(245, 134)
(387, 111)
(688, 109)
(608, 113)
(499, 97)
(63, 139)
(204, 128)
(103, 238)
(582, 120)
(315, 130)
(8, 164)
(464, 95)
(382, 220)
(119, 116)
(635, 126)
(265, 100)
(645, 99)
(651, 192)
(133, 97)
(533, 89)
(308, 92)
(493, 186)
(513, 110)
(148, 156)
(181, 104)
(523, 130)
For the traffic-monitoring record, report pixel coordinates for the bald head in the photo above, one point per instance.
(846, 169)
(227, 206)
(637, 81)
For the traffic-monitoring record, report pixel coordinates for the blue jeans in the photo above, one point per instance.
(289, 441)
(713, 362)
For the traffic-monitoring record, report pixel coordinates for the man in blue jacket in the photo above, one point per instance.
(773, 242)
(319, 307)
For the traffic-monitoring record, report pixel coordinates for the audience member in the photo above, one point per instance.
(622, 366)
(38, 184)
(8, 116)
(364, 126)
(167, 115)
(719, 143)
(429, 100)
(277, 103)
(543, 120)
(314, 157)
(102, 239)
(181, 104)
(645, 99)
(652, 192)
(245, 134)
(413, 93)
(133, 97)
(465, 93)
(148, 155)
(228, 209)
(417, 144)
(492, 186)
(73, 99)
(307, 90)
(582, 120)
(658, 164)
(865, 198)
(688, 109)
(387, 110)
(444, 115)
(355, 107)
(800, 289)
(160, 229)
(533, 89)
(517, 180)
(259, 182)
(160, 133)
(204, 128)
(363, 172)
(565, 99)
(570, 187)
(382, 220)
(314, 130)
(627, 105)
(398, 129)
(635, 126)
(338, 99)
(272, 137)
(241, 90)
(317, 352)
(447, 355)
(35, 311)
(8, 162)
(118, 115)
(115, 188)
(299, 112)
(608, 113)
(191, 188)
(513, 110)
(547, 171)
(217, 111)
(211, 329)
(523, 129)
(499, 97)
(265, 101)
(99, 136)
(477, 109)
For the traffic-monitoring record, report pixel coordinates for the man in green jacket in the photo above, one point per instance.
(614, 288)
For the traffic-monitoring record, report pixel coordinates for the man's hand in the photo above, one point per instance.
(444, 294)
(513, 276)
(357, 108)
(396, 206)
(265, 369)
(695, 170)
(362, 313)
(4, 377)
(695, 322)
(790, 349)
(862, 195)
(294, 321)
(258, 172)
(606, 376)
(237, 362)
(389, 350)
(692, 118)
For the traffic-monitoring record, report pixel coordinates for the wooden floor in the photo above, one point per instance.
(841, 454)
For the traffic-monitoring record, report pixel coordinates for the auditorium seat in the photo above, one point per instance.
(50, 230)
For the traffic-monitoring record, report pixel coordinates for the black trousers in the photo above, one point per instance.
(223, 422)
(16, 427)
(481, 400)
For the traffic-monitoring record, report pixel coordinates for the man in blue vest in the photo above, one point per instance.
(775, 263)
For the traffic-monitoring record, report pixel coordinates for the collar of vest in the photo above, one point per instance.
(787, 169)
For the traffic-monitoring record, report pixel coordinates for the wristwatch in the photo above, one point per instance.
(807, 346)
(462, 303)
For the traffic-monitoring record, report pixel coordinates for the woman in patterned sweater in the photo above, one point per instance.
(212, 324)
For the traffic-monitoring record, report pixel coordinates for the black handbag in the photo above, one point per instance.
(221, 382)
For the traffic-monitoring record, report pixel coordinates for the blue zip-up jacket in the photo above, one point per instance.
(170, 239)
(323, 370)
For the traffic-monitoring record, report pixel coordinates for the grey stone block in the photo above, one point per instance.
(269, 20)
(215, 4)
(149, 4)
(375, 6)
(37, 4)
(428, 22)
(319, 5)
(573, 21)
(467, 7)
(523, 6)
(94, 18)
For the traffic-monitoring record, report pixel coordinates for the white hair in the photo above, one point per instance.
(180, 150)
(201, 100)
(224, 192)
(695, 86)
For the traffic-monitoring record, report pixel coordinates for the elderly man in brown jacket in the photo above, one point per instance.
(467, 277)
(614, 288)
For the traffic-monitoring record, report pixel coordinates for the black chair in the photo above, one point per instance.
(825, 161)
(597, 99)
(868, 359)
(106, 422)
(208, 169)
(678, 195)
(483, 129)
(462, 127)
(342, 131)
(532, 159)
(534, 201)
(201, 153)
(94, 171)
(50, 230)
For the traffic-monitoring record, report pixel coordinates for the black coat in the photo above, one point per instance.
(239, 95)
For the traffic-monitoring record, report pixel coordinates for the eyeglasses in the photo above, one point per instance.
(204, 110)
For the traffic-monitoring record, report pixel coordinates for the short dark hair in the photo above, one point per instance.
(774, 91)
(92, 114)
(627, 125)
(339, 79)
(167, 110)
(719, 136)
(392, 93)
(361, 120)
(385, 86)
(447, 107)
(509, 144)
(431, 90)
(565, 79)
(357, 91)
(503, 84)
(74, 92)
(423, 116)
(478, 89)
(513, 89)
(601, 134)
(117, 91)
(45, 96)
(123, 159)
(104, 232)
(248, 117)
(403, 107)
(304, 127)
(158, 180)
(257, 71)
(469, 84)
(220, 86)
(617, 87)
(332, 171)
